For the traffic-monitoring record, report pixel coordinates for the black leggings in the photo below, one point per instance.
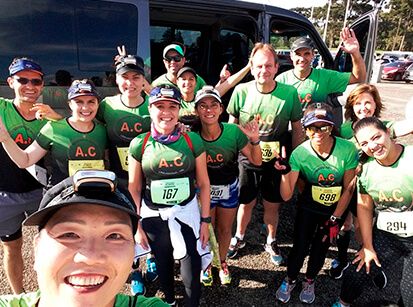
(307, 239)
(390, 249)
(159, 239)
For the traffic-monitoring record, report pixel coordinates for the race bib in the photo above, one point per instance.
(399, 223)
(326, 195)
(268, 150)
(220, 192)
(123, 157)
(170, 191)
(77, 165)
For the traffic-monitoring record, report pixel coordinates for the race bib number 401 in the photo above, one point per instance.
(399, 223)
(170, 191)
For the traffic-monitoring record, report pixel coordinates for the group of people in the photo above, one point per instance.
(183, 176)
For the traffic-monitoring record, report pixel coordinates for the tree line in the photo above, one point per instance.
(395, 23)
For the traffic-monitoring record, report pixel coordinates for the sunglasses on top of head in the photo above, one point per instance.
(176, 58)
(24, 81)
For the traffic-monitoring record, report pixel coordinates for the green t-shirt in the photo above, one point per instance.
(390, 187)
(323, 176)
(169, 170)
(23, 132)
(347, 132)
(222, 154)
(274, 111)
(123, 124)
(318, 85)
(200, 82)
(122, 300)
(72, 150)
(187, 114)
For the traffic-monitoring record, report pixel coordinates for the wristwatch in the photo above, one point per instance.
(206, 220)
(334, 218)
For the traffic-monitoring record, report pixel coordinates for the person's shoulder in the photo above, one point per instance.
(284, 75)
(286, 89)
(110, 99)
(408, 151)
(20, 300)
(4, 102)
(139, 139)
(303, 147)
(160, 80)
(57, 124)
(345, 143)
(194, 136)
(123, 300)
(230, 128)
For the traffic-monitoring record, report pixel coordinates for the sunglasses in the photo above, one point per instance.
(24, 81)
(176, 58)
(324, 129)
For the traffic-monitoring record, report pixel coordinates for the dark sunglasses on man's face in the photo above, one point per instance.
(24, 81)
(176, 58)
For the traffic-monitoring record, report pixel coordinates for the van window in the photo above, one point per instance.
(236, 48)
(77, 36)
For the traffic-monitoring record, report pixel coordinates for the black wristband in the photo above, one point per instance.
(284, 162)
(206, 220)
(255, 143)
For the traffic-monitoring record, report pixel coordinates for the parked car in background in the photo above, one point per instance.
(395, 71)
(408, 74)
(386, 61)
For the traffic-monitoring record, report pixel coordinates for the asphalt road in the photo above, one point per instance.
(395, 95)
(255, 278)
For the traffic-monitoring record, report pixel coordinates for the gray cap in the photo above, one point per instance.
(302, 42)
(186, 69)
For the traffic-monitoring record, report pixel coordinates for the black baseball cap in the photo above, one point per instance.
(130, 63)
(302, 42)
(94, 191)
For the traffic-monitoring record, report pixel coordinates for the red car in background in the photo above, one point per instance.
(395, 71)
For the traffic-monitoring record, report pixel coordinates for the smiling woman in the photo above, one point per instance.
(85, 246)
(384, 190)
(77, 142)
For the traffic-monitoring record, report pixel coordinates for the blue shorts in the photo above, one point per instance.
(14, 208)
(232, 201)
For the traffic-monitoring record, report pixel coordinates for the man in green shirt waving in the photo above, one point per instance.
(314, 85)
